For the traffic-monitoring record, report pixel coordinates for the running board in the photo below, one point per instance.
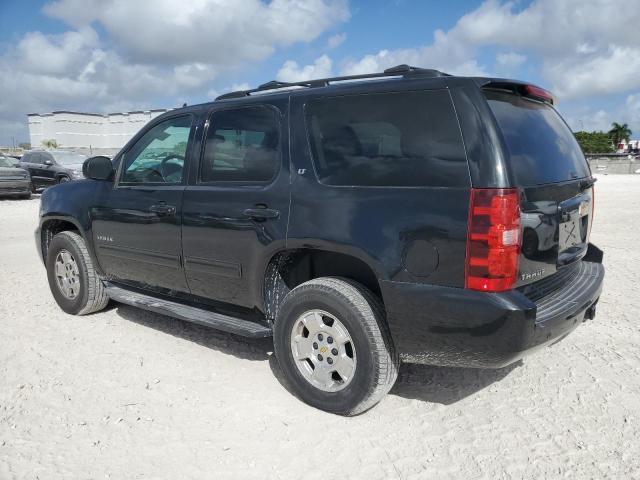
(246, 328)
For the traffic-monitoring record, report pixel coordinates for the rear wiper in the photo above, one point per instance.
(587, 182)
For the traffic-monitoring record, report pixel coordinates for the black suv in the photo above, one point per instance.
(403, 216)
(49, 167)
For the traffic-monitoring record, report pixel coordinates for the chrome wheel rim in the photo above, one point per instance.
(323, 350)
(67, 274)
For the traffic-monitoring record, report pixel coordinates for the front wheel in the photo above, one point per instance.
(73, 281)
(334, 347)
(63, 179)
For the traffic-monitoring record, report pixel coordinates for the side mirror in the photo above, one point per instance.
(98, 168)
(48, 162)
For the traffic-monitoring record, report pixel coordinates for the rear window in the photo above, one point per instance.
(542, 148)
(402, 139)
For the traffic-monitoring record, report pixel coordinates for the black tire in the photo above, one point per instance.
(63, 179)
(26, 196)
(91, 297)
(362, 313)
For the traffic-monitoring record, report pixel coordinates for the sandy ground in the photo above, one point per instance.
(127, 394)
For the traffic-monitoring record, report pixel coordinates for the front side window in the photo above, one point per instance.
(6, 162)
(69, 158)
(400, 139)
(31, 157)
(159, 156)
(242, 145)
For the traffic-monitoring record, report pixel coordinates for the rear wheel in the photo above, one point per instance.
(63, 179)
(334, 347)
(73, 280)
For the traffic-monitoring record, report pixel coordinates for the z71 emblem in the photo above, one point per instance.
(104, 238)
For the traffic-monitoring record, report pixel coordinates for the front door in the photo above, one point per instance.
(47, 169)
(236, 204)
(34, 162)
(136, 223)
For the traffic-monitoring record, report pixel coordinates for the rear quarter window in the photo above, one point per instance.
(542, 148)
(400, 139)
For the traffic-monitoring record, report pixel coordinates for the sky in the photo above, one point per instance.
(121, 55)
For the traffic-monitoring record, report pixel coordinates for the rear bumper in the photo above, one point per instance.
(457, 327)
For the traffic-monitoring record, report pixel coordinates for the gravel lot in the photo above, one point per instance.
(127, 394)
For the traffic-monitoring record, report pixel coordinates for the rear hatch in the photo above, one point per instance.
(548, 166)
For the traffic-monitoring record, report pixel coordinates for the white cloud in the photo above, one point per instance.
(589, 120)
(580, 53)
(611, 71)
(336, 40)
(147, 55)
(632, 109)
(214, 93)
(580, 116)
(217, 32)
(510, 59)
(292, 72)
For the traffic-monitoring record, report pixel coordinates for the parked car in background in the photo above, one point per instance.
(49, 167)
(13, 179)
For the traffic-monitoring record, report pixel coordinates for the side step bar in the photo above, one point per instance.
(246, 328)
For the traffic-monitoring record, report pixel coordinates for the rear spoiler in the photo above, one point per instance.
(524, 89)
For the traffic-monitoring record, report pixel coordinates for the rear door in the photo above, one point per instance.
(236, 205)
(546, 162)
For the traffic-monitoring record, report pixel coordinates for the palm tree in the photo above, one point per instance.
(618, 133)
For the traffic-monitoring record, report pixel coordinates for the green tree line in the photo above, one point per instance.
(603, 142)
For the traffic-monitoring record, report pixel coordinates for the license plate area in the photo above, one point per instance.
(572, 233)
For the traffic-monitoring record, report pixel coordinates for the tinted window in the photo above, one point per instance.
(388, 139)
(242, 146)
(158, 157)
(6, 162)
(31, 157)
(69, 158)
(542, 148)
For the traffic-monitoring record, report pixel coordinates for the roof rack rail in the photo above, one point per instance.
(403, 70)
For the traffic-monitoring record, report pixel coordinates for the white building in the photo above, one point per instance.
(628, 147)
(98, 133)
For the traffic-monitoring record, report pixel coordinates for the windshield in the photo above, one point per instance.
(68, 158)
(542, 148)
(7, 162)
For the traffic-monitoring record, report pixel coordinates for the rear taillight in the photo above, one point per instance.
(493, 239)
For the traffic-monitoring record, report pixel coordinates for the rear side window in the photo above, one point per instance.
(400, 139)
(242, 146)
(542, 149)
